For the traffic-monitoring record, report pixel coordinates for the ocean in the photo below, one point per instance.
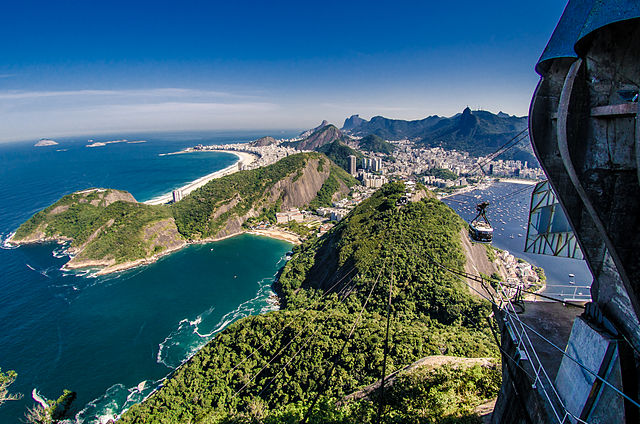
(112, 339)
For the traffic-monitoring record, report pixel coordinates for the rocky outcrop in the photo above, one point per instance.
(307, 133)
(263, 141)
(294, 191)
(353, 122)
(45, 142)
(158, 238)
(429, 362)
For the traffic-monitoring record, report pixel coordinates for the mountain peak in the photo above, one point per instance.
(321, 136)
(307, 133)
(466, 111)
(353, 122)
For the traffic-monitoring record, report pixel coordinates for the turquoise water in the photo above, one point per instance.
(112, 339)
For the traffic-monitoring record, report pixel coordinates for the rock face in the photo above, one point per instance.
(307, 133)
(104, 228)
(325, 135)
(294, 191)
(353, 122)
(264, 141)
(478, 132)
(44, 142)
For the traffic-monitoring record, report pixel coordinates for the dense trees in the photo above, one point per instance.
(376, 144)
(339, 153)
(102, 231)
(112, 231)
(269, 367)
(6, 380)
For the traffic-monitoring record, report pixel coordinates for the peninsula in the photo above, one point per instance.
(109, 230)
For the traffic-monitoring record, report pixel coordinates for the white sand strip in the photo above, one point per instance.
(244, 157)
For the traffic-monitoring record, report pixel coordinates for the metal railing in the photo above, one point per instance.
(526, 351)
(571, 292)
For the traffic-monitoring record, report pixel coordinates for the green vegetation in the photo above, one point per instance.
(121, 232)
(339, 153)
(297, 228)
(198, 215)
(541, 275)
(99, 228)
(331, 186)
(443, 395)
(491, 253)
(494, 279)
(373, 143)
(269, 368)
(6, 380)
(59, 410)
(442, 173)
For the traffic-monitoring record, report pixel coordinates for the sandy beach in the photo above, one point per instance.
(243, 157)
(277, 234)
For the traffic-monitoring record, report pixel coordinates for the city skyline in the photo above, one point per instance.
(78, 68)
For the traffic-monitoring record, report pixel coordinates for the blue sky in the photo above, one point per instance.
(91, 67)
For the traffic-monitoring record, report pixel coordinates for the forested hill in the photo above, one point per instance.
(477, 132)
(327, 340)
(108, 229)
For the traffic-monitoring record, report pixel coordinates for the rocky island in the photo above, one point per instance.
(45, 142)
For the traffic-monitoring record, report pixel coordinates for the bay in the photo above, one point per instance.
(509, 215)
(113, 338)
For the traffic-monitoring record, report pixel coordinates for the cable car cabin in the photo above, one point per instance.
(480, 228)
(481, 232)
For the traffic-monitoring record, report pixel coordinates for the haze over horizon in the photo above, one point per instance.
(78, 68)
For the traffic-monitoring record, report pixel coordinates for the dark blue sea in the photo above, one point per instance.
(508, 213)
(112, 339)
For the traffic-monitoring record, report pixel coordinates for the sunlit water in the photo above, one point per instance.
(112, 339)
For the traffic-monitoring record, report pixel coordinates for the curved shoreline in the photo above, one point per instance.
(104, 268)
(244, 158)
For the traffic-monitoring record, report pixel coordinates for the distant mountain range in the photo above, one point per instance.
(478, 132)
(319, 136)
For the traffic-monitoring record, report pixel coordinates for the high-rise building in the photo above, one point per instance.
(177, 195)
(376, 164)
(352, 164)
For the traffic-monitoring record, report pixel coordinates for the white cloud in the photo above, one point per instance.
(154, 92)
(35, 114)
